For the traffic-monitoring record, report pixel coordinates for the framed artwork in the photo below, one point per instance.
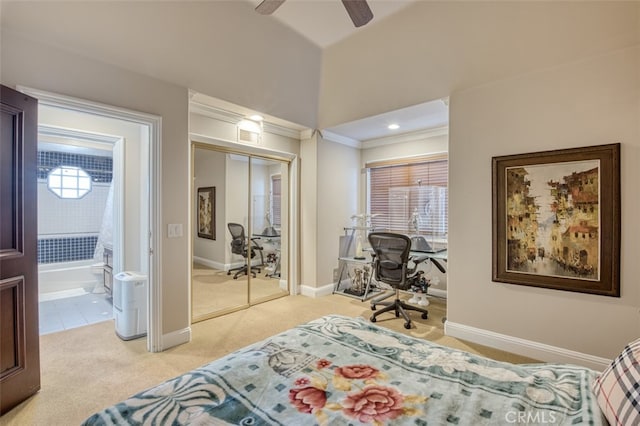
(207, 212)
(556, 219)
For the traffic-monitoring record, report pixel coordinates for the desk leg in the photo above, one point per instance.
(342, 268)
(367, 287)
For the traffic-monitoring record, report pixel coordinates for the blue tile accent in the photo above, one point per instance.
(99, 168)
(53, 250)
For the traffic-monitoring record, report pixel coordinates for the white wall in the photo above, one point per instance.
(565, 73)
(431, 49)
(521, 76)
(41, 66)
(337, 180)
(588, 102)
(221, 48)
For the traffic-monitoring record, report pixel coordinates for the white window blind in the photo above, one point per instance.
(410, 196)
(276, 191)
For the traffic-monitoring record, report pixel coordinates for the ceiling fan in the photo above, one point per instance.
(358, 10)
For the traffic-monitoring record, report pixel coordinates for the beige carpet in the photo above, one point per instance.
(89, 368)
(213, 290)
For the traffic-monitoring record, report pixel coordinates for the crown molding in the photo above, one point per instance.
(387, 140)
(406, 137)
(344, 140)
(233, 118)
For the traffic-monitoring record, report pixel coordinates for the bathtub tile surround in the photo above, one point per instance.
(68, 228)
(66, 249)
(71, 312)
(99, 168)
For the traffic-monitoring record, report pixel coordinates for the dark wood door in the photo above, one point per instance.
(19, 335)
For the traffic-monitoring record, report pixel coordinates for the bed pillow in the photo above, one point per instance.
(617, 388)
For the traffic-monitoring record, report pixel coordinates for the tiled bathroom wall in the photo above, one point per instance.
(68, 228)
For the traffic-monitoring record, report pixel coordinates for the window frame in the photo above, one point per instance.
(60, 190)
(435, 228)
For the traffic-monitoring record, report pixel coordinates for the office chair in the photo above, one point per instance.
(239, 245)
(390, 265)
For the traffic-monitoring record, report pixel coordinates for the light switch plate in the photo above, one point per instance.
(174, 230)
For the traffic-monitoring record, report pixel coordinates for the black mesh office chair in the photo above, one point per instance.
(390, 266)
(239, 245)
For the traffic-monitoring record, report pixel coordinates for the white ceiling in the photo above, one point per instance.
(428, 115)
(326, 22)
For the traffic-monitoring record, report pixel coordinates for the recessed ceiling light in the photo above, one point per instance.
(256, 117)
(393, 126)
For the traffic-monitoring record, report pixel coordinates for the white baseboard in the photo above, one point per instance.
(328, 289)
(437, 292)
(210, 263)
(176, 338)
(524, 347)
(325, 290)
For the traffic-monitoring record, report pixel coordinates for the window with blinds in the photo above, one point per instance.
(276, 185)
(410, 196)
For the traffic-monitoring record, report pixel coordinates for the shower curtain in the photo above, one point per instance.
(105, 238)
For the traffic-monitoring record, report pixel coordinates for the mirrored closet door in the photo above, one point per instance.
(240, 229)
(268, 213)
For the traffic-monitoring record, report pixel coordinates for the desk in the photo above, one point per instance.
(275, 239)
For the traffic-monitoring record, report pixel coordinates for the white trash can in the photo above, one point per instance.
(130, 304)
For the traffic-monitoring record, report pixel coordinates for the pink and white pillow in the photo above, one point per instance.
(617, 389)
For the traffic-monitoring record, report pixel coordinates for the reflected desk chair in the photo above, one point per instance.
(245, 247)
(391, 266)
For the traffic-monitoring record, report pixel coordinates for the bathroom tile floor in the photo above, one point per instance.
(72, 309)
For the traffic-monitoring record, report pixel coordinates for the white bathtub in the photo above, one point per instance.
(78, 275)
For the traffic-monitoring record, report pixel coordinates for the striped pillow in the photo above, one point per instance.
(617, 389)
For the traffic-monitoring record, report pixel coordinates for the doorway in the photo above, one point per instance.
(135, 212)
(76, 190)
(240, 230)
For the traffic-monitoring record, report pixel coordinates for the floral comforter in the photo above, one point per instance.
(345, 371)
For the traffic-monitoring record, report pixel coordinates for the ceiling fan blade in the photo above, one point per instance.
(359, 11)
(267, 7)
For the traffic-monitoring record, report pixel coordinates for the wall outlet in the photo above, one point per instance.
(174, 230)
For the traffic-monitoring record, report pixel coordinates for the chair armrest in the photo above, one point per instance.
(255, 244)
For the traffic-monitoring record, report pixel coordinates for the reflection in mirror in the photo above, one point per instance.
(218, 283)
(269, 227)
(240, 231)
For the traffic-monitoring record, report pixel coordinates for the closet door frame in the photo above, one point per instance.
(291, 162)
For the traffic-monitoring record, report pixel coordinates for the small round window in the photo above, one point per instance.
(69, 182)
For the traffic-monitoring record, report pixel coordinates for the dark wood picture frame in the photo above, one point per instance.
(207, 212)
(556, 219)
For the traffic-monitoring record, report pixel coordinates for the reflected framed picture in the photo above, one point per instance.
(207, 212)
(556, 219)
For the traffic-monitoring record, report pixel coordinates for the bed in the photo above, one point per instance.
(338, 370)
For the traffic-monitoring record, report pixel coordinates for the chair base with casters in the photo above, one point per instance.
(242, 270)
(400, 308)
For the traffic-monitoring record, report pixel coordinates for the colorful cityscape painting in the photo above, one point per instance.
(553, 219)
